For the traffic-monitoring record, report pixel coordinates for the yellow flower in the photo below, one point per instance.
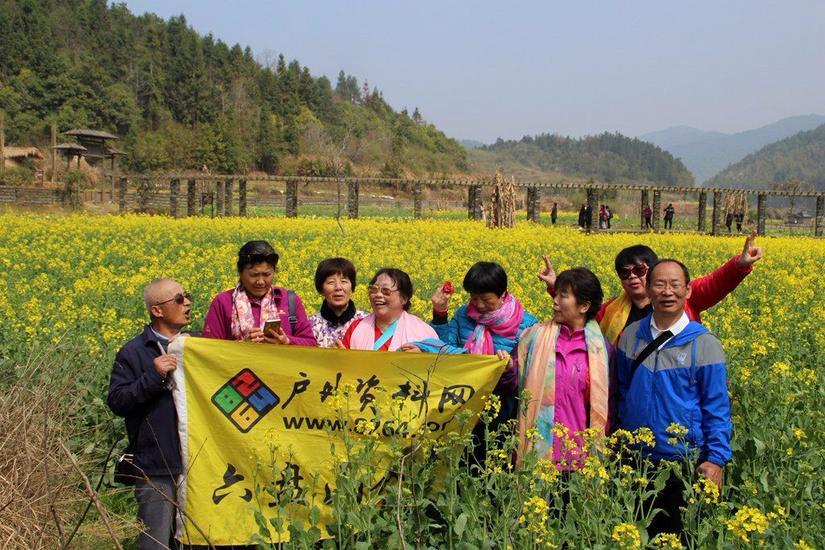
(677, 430)
(780, 369)
(644, 435)
(667, 540)
(746, 521)
(533, 434)
(799, 434)
(594, 469)
(627, 536)
(621, 437)
(546, 470)
(707, 489)
(492, 406)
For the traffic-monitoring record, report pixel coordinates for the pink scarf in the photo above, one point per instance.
(409, 329)
(243, 321)
(504, 321)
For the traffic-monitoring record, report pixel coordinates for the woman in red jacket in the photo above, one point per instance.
(633, 304)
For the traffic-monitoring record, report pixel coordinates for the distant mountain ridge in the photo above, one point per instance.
(707, 153)
(611, 158)
(801, 156)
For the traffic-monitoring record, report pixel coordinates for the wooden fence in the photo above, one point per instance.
(227, 195)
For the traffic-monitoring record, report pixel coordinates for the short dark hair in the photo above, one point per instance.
(402, 282)
(334, 266)
(635, 254)
(486, 277)
(668, 261)
(585, 287)
(256, 252)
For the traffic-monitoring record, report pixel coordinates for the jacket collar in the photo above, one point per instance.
(692, 331)
(149, 337)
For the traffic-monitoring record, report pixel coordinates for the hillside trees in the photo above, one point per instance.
(180, 100)
(610, 157)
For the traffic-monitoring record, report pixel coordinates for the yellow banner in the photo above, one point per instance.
(262, 424)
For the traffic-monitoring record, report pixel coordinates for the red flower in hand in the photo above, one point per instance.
(447, 287)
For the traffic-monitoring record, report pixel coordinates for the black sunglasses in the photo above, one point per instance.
(639, 270)
(179, 298)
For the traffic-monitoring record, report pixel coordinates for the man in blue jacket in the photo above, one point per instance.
(140, 390)
(673, 370)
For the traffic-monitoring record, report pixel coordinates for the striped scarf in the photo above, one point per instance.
(537, 356)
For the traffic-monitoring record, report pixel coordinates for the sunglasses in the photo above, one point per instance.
(385, 291)
(178, 298)
(639, 270)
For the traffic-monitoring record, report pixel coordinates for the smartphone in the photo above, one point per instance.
(272, 326)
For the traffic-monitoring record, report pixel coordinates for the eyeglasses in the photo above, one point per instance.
(383, 290)
(639, 270)
(178, 298)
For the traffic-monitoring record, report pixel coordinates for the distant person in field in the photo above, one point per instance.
(241, 312)
(491, 323)
(740, 218)
(602, 217)
(609, 215)
(728, 220)
(140, 390)
(564, 364)
(335, 281)
(554, 213)
(669, 212)
(390, 325)
(632, 265)
(648, 212)
(582, 216)
(672, 378)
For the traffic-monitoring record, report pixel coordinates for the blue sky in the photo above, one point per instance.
(482, 70)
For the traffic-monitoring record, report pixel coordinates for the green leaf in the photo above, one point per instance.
(460, 524)
(760, 445)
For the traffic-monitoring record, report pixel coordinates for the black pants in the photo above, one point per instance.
(668, 223)
(669, 499)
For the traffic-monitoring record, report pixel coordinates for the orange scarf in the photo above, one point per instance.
(615, 317)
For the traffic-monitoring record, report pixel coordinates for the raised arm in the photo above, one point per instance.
(709, 290)
(548, 275)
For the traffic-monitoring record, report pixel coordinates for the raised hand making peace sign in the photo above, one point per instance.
(548, 274)
(750, 253)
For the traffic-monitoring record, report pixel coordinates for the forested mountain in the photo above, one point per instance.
(800, 157)
(707, 153)
(607, 157)
(184, 101)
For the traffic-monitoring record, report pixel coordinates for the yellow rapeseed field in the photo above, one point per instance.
(78, 279)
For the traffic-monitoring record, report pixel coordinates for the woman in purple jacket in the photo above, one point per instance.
(240, 313)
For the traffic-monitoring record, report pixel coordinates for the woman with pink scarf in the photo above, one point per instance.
(389, 326)
(240, 313)
(490, 324)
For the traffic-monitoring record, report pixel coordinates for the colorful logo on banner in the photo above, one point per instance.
(245, 399)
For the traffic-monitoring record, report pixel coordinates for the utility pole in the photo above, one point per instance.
(54, 152)
(2, 142)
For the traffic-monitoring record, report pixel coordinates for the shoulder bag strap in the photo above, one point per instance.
(650, 348)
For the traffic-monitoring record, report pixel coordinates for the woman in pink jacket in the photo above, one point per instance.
(240, 313)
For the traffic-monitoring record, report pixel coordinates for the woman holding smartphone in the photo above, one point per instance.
(256, 310)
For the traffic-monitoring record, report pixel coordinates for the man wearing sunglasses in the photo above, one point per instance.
(632, 265)
(140, 391)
